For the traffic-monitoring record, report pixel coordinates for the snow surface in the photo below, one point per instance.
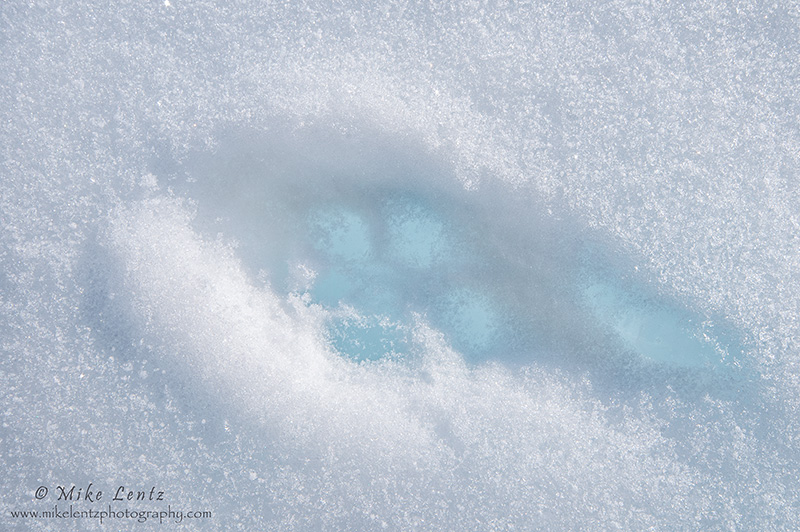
(403, 266)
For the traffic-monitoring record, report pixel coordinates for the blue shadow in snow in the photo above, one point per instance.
(375, 230)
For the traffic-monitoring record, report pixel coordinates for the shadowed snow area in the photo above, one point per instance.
(402, 267)
(386, 236)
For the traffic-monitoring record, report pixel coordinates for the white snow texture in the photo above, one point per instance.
(403, 265)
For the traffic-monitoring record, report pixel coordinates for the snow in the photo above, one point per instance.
(455, 266)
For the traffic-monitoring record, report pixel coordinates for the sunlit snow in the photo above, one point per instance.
(397, 266)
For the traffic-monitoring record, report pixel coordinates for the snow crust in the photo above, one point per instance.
(456, 266)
